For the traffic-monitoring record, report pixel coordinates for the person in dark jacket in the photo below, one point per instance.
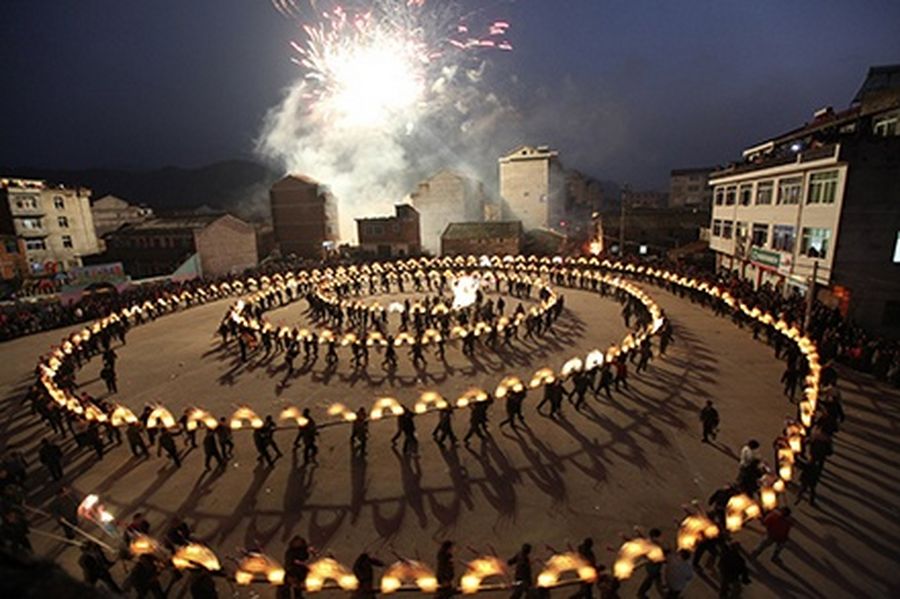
(95, 566)
(522, 577)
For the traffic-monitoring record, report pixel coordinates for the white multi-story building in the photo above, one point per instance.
(823, 199)
(54, 222)
(532, 184)
(448, 197)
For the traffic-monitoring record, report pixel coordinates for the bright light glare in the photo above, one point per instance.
(372, 83)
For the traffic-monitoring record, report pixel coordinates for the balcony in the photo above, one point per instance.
(770, 161)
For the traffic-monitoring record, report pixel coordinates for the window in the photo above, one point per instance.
(764, 192)
(740, 231)
(760, 235)
(32, 224)
(717, 228)
(822, 187)
(35, 244)
(59, 202)
(789, 190)
(783, 238)
(730, 193)
(745, 194)
(67, 241)
(886, 126)
(27, 203)
(720, 195)
(63, 222)
(815, 242)
(727, 228)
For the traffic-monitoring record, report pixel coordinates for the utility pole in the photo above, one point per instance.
(810, 296)
(622, 220)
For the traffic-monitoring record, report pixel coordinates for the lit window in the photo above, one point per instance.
(760, 235)
(740, 231)
(67, 241)
(815, 242)
(789, 190)
(783, 238)
(822, 187)
(764, 192)
(63, 222)
(59, 203)
(32, 224)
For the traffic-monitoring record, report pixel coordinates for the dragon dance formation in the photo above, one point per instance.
(486, 572)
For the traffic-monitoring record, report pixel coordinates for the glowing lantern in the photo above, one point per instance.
(292, 413)
(632, 551)
(196, 417)
(402, 338)
(471, 396)
(143, 545)
(195, 555)
(122, 415)
(478, 570)
(739, 510)
(430, 399)
(594, 359)
(339, 409)
(405, 571)
(160, 417)
(329, 569)
(509, 383)
(92, 412)
(91, 509)
(566, 562)
(348, 339)
(572, 366)
(256, 566)
(695, 528)
(244, 415)
(383, 406)
(375, 338)
(544, 376)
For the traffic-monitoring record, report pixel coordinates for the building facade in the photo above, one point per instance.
(449, 197)
(390, 236)
(110, 213)
(220, 244)
(13, 266)
(477, 239)
(304, 216)
(689, 188)
(54, 223)
(821, 205)
(532, 187)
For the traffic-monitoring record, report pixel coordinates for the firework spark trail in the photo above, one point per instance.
(380, 84)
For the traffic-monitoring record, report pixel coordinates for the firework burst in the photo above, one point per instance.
(383, 63)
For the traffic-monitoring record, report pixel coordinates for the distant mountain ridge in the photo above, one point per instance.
(236, 185)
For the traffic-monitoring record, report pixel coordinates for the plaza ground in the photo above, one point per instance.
(636, 460)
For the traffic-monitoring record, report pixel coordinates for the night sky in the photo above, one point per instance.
(626, 90)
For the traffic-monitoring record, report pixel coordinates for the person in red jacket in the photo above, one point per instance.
(778, 525)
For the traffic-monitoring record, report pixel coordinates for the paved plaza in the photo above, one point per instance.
(635, 460)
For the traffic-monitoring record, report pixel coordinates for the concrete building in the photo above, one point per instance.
(822, 199)
(449, 197)
(390, 236)
(110, 213)
(647, 199)
(532, 186)
(501, 238)
(689, 187)
(304, 216)
(220, 244)
(13, 265)
(54, 223)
